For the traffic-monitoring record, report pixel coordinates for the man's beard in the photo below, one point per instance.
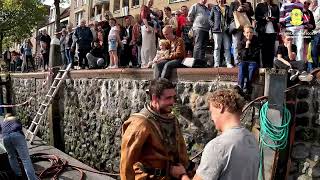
(165, 110)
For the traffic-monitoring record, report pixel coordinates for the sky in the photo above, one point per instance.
(48, 2)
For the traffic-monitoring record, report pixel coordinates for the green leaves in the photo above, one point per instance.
(19, 17)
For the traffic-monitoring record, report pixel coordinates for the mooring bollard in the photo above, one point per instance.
(275, 86)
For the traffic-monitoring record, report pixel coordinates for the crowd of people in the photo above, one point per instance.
(162, 39)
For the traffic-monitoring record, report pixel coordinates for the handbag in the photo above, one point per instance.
(232, 28)
(241, 19)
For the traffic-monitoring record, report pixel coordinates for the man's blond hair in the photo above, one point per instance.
(230, 99)
(248, 26)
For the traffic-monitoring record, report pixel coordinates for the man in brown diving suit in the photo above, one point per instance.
(152, 142)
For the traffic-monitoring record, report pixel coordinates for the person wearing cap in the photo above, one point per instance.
(152, 141)
(14, 141)
(235, 153)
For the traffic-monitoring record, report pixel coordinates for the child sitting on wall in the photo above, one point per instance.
(249, 56)
(164, 52)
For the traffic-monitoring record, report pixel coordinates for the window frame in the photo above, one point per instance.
(114, 6)
(176, 1)
(135, 5)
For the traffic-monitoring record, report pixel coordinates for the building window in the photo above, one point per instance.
(116, 6)
(175, 1)
(79, 16)
(125, 3)
(135, 2)
(99, 8)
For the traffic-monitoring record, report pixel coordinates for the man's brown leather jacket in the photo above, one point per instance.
(143, 145)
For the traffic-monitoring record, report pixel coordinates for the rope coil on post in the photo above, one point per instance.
(272, 136)
(277, 134)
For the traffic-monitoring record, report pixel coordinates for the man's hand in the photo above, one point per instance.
(248, 43)
(148, 29)
(177, 171)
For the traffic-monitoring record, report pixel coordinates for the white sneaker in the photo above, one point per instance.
(306, 77)
(229, 66)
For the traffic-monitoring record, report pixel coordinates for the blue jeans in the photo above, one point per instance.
(219, 40)
(16, 142)
(69, 56)
(246, 70)
(314, 50)
(164, 69)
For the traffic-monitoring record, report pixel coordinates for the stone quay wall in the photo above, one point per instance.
(305, 153)
(96, 103)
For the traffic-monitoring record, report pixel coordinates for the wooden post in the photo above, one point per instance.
(55, 111)
(8, 93)
(275, 85)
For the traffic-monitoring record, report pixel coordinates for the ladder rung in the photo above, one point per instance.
(58, 78)
(35, 123)
(45, 104)
(40, 114)
(62, 70)
(53, 87)
(29, 132)
(48, 95)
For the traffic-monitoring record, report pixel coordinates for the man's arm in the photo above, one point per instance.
(192, 13)
(211, 164)
(211, 17)
(292, 52)
(259, 13)
(279, 57)
(75, 38)
(249, 9)
(133, 139)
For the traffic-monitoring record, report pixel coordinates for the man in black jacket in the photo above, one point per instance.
(249, 58)
(126, 36)
(267, 15)
(45, 40)
(106, 29)
(83, 37)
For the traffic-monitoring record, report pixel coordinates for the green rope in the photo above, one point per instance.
(272, 136)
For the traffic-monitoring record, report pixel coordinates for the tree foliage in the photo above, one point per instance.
(19, 17)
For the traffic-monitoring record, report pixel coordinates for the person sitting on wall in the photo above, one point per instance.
(96, 57)
(286, 59)
(249, 57)
(163, 68)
